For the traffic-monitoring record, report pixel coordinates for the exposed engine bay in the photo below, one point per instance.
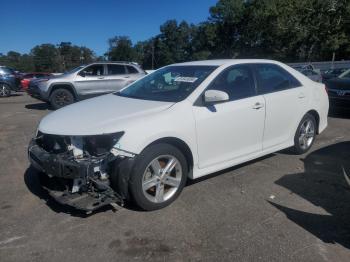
(85, 172)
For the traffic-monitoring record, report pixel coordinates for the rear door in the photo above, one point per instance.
(117, 77)
(286, 101)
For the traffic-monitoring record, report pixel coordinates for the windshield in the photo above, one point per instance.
(346, 74)
(169, 84)
(76, 69)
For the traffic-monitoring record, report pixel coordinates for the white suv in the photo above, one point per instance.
(182, 121)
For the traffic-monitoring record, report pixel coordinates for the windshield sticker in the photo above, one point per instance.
(186, 79)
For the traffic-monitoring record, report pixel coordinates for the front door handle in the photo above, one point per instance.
(301, 95)
(101, 77)
(258, 105)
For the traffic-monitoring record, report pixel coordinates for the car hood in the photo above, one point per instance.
(101, 115)
(339, 83)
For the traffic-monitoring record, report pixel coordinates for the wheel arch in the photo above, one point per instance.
(66, 86)
(182, 146)
(316, 115)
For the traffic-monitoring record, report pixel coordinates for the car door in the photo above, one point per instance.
(285, 99)
(232, 129)
(117, 77)
(89, 81)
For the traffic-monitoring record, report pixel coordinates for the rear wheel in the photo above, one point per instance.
(305, 134)
(60, 98)
(159, 176)
(5, 90)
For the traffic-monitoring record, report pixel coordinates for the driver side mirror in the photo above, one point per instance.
(82, 73)
(215, 96)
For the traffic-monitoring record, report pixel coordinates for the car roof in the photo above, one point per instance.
(221, 62)
(115, 62)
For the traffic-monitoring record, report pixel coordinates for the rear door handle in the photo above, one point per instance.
(301, 95)
(258, 105)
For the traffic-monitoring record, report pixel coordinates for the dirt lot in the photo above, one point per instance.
(279, 208)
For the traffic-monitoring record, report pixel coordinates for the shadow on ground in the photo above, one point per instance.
(39, 106)
(324, 185)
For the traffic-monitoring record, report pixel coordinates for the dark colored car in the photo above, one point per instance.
(30, 76)
(339, 90)
(9, 81)
(332, 73)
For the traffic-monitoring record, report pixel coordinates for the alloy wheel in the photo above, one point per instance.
(162, 178)
(306, 134)
(62, 98)
(4, 90)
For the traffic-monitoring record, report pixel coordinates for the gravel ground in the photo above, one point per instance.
(278, 208)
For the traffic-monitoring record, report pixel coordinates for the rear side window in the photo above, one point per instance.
(132, 70)
(116, 70)
(273, 78)
(236, 81)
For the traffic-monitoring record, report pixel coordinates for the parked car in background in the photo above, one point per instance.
(85, 82)
(8, 81)
(182, 121)
(332, 73)
(26, 78)
(313, 75)
(339, 90)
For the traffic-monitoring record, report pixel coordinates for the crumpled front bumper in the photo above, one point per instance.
(60, 173)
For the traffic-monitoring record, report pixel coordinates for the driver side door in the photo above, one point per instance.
(233, 129)
(90, 81)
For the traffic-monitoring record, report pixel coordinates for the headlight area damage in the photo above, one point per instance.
(85, 172)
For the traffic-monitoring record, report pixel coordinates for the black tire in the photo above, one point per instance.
(142, 162)
(298, 148)
(5, 90)
(61, 97)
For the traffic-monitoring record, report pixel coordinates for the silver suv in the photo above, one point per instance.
(85, 82)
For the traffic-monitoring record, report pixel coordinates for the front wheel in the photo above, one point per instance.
(159, 176)
(305, 134)
(5, 90)
(60, 98)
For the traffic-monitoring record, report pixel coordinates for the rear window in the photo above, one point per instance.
(6, 70)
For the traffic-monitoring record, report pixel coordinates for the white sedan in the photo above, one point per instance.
(182, 121)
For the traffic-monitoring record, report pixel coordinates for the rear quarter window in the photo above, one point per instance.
(273, 78)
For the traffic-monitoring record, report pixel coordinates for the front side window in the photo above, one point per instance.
(273, 78)
(169, 84)
(236, 81)
(116, 69)
(93, 70)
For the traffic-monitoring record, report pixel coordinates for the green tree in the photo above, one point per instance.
(47, 58)
(120, 49)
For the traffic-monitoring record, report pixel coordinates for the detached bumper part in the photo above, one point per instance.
(74, 183)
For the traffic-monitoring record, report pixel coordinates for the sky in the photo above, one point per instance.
(90, 23)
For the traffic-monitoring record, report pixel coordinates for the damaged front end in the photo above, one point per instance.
(85, 172)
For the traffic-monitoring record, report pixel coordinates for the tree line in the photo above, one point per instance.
(285, 30)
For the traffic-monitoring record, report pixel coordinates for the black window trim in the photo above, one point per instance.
(254, 68)
(200, 100)
(125, 69)
(103, 73)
